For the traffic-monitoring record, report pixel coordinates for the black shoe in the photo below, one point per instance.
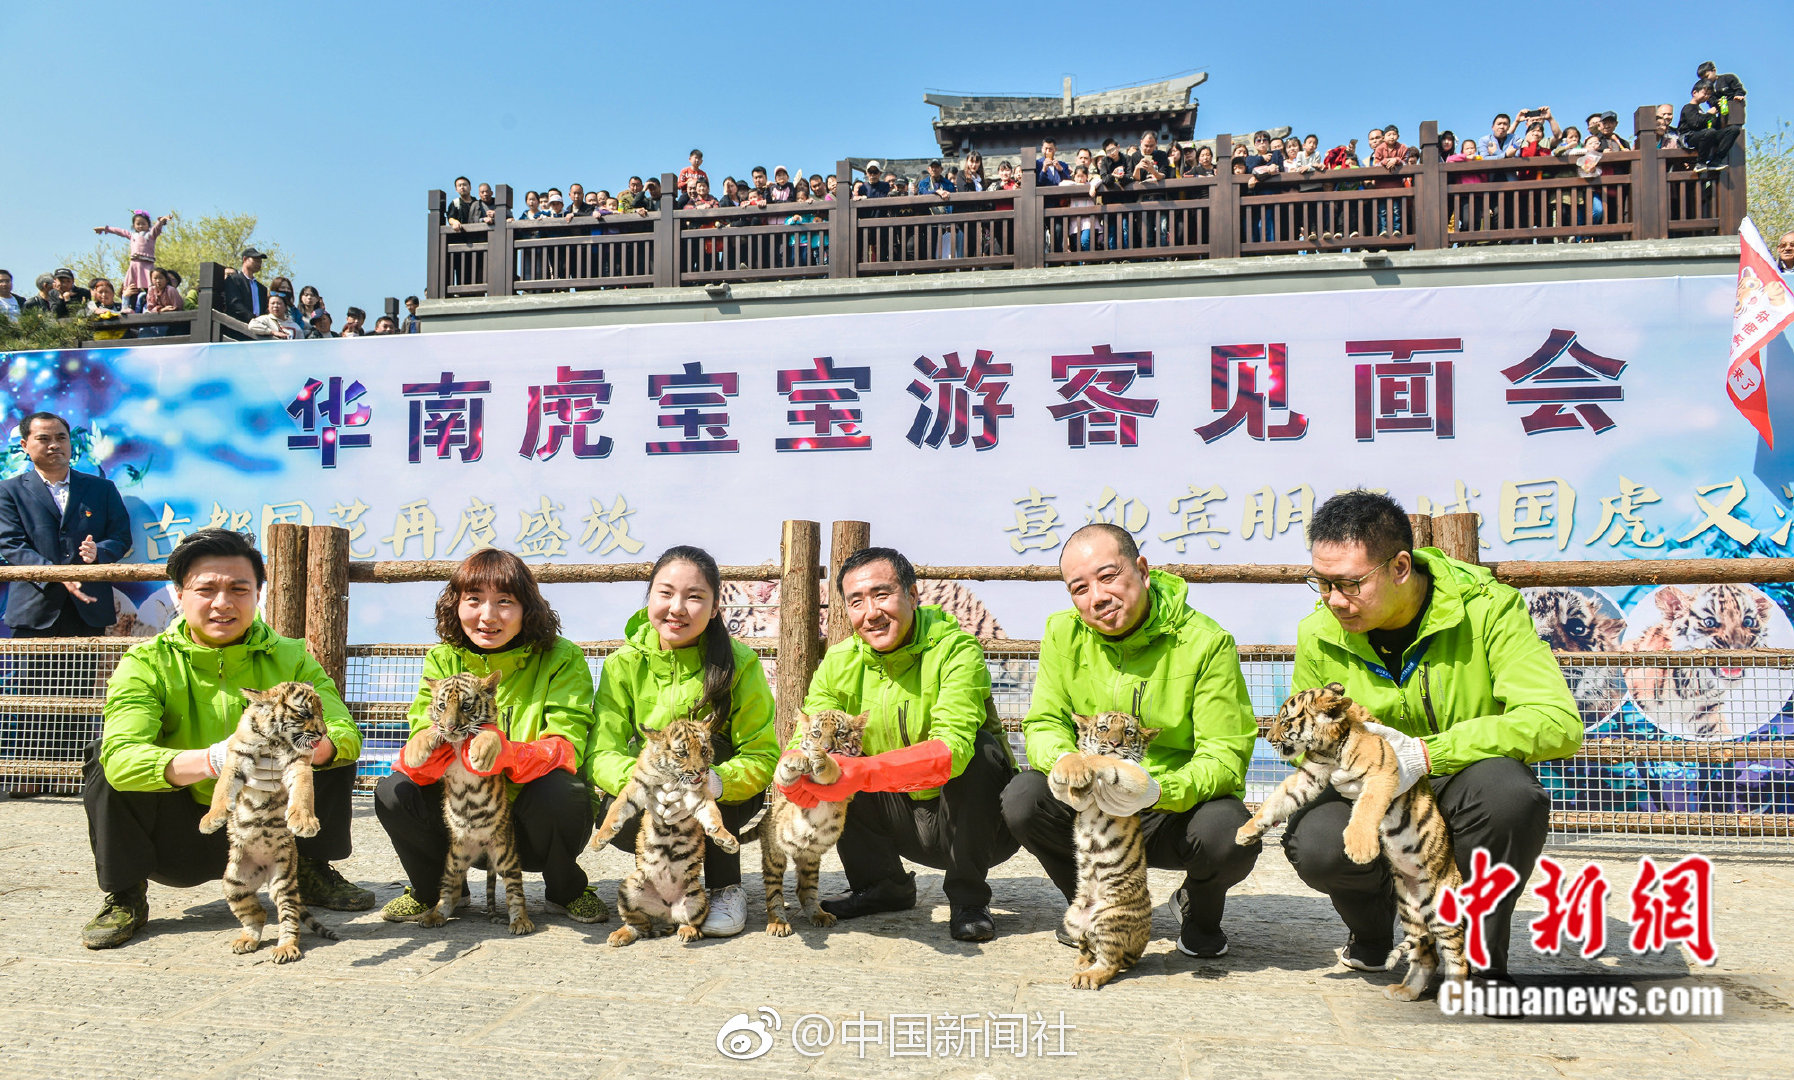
(1064, 937)
(1367, 956)
(1495, 986)
(892, 894)
(971, 923)
(1202, 944)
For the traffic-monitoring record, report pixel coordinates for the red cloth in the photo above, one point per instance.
(912, 768)
(520, 761)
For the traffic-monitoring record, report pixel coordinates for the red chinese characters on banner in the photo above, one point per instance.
(1674, 905)
(695, 402)
(1576, 382)
(1579, 915)
(950, 420)
(819, 388)
(575, 400)
(1471, 902)
(1402, 393)
(447, 414)
(1235, 365)
(1095, 411)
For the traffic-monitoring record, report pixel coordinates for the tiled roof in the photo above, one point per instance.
(1172, 95)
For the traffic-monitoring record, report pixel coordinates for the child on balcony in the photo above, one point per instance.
(143, 247)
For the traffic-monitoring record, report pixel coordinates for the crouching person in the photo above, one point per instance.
(491, 617)
(171, 705)
(1133, 644)
(930, 785)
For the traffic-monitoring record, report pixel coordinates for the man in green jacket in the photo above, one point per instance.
(171, 705)
(1133, 644)
(936, 759)
(1448, 660)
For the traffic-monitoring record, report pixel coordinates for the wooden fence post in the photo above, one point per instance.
(800, 646)
(433, 273)
(327, 599)
(1422, 524)
(501, 258)
(848, 537)
(211, 287)
(285, 605)
(666, 234)
(843, 249)
(1429, 192)
(1224, 208)
(1455, 534)
(1650, 184)
(1733, 204)
(1030, 222)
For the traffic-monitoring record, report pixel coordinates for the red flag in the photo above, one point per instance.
(1764, 308)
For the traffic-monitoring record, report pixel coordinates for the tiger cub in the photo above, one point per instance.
(1326, 729)
(667, 882)
(283, 725)
(1111, 916)
(805, 836)
(475, 808)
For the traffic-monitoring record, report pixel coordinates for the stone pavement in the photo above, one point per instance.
(399, 1001)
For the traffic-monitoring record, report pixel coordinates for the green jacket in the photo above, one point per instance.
(1483, 684)
(547, 693)
(934, 687)
(169, 694)
(1193, 692)
(644, 687)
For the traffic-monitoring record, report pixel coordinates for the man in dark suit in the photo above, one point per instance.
(244, 296)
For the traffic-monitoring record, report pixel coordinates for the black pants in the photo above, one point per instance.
(1198, 841)
(1495, 803)
(1712, 144)
(960, 831)
(721, 868)
(140, 836)
(552, 817)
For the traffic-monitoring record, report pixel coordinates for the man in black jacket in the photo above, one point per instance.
(244, 296)
(1696, 126)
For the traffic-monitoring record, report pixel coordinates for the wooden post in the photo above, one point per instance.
(800, 646)
(1224, 208)
(1650, 184)
(1455, 534)
(433, 274)
(211, 289)
(1030, 222)
(1422, 524)
(847, 538)
(501, 257)
(327, 599)
(666, 234)
(1732, 202)
(841, 227)
(284, 609)
(1429, 192)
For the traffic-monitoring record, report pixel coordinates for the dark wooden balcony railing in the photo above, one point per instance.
(1641, 194)
(205, 322)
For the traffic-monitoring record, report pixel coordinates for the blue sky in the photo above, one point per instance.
(330, 121)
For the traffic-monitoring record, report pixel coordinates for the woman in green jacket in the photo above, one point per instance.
(492, 617)
(679, 660)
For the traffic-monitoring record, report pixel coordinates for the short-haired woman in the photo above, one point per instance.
(678, 660)
(492, 617)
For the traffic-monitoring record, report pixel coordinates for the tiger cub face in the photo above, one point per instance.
(1312, 721)
(461, 704)
(1570, 621)
(682, 748)
(290, 713)
(831, 731)
(1715, 617)
(1113, 734)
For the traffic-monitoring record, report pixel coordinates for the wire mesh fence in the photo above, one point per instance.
(1696, 745)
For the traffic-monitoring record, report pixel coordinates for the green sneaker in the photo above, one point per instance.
(586, 907)
(119, 920)
(320, 886)
(403, 908)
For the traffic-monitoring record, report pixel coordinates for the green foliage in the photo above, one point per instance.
(182, 247)
(1769, 169)
(34, 330)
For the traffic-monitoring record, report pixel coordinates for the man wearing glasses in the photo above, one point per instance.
(1447, 658)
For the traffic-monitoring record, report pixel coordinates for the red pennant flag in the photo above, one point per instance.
(1763, 309)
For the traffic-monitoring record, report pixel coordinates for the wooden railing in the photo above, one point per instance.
(205, 322)
(1640, 194)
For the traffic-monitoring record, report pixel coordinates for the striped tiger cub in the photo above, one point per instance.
(1326, 729)
(804, 836)
(475, 808)
(281, 725)
(667, 882)
(1111, 916)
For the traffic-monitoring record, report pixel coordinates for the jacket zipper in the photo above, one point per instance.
(903, 722)
(1426, 699)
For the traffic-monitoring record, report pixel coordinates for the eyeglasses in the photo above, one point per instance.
(1346, 586)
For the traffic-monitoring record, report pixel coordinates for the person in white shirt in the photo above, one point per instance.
(278, 323)
(9, 304)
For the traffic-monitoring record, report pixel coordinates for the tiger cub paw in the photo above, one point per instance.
(432, 918)
(211, 823)
(302, 824)
(246, 942)
(286, 954)
(689, 933)
(622, 935)
(1400, 992)
(522, 925)
(722, 838)
(1092, 978)
(1250, 833)
(417, 751)
(482, 750)
(820, 917)
(1362, 845)
(778, 928)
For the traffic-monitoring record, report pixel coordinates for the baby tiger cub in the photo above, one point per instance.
(667, 882)
(1326, 729)
(805, 836)
(475, 808)
(282, 725)
(1111, 916)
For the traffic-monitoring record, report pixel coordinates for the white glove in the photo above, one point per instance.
(1117, 802)
(1410, 755)
(261, 773)
(715, 783)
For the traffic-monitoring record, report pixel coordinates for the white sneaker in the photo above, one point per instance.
(728, 912)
